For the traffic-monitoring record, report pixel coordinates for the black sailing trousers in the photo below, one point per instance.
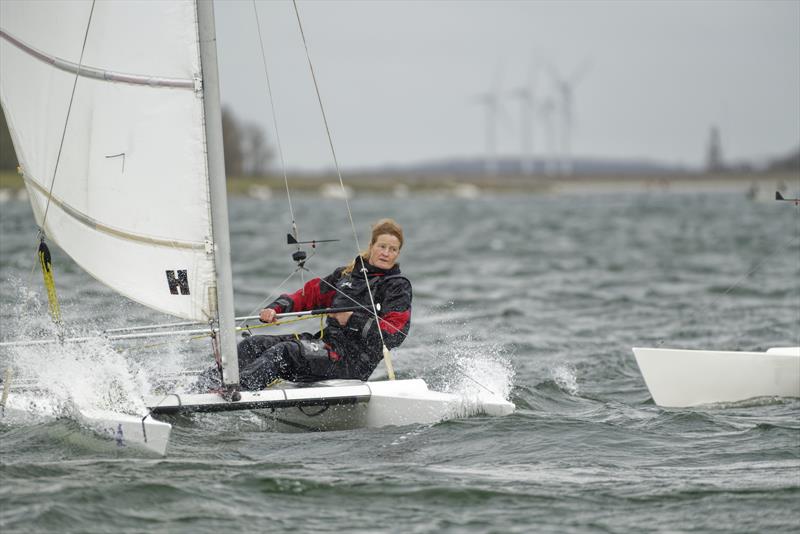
(262, 359)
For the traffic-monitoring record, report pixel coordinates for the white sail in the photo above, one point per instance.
(130, 200)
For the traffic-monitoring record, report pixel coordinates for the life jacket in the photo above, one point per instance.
(361, 352)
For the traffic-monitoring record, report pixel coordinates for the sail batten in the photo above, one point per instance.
(116, 232)
(98, 73)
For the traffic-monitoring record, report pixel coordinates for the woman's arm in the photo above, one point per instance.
(316, 293)
(395, 316)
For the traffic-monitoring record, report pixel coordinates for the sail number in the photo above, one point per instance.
(178, 284)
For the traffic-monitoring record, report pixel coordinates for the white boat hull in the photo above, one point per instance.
(136, 431)
(126, 430)
(330, 405)
(682, 378)
(393, 403)
(342, 404)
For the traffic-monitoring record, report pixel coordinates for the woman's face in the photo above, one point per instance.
(384, 252)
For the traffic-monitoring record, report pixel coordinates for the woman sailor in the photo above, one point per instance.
(350, 346)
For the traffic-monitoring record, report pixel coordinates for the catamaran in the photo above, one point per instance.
(682, 378)
(119, 137)
(679, 378)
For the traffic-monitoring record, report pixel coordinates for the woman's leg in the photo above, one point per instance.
(278, 360)
(262, 359)
(249, 350)
(253, 347)
(304, 359)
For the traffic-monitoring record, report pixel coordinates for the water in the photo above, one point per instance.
(540, 297)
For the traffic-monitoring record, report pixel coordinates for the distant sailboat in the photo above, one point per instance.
(114, 112)
(683, 378)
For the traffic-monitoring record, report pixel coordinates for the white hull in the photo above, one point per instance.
(681, 378)
(329, 405)
(142, 432)
(342, 404)
(136, 431)
(392, 403)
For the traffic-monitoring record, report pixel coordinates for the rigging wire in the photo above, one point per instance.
(425, 349)
(273, 295)
(734, 285)
(386, 355)
(66, 120)
(277, 136)
(43, 253)
(275, 121)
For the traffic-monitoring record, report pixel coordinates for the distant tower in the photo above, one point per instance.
(714, 154)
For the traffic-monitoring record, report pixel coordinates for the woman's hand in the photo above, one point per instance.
(267, 315)
(342, 317)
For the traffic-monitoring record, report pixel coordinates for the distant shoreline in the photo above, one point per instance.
(468, 186)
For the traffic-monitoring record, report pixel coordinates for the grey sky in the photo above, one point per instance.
(400, 79)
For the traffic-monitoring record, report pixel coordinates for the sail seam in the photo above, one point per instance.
(97, 73)
(100, 227)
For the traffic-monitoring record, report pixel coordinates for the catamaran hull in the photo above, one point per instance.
(141, 432)
(683, 378)
(330, 405)
(391, 403)
(342, 405)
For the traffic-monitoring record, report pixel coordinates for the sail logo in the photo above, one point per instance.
(179, 283)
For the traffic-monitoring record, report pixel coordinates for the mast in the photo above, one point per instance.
(218, 193)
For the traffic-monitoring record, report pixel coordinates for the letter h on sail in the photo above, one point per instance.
(181, 282)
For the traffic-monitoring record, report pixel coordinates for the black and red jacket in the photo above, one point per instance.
(357, 345)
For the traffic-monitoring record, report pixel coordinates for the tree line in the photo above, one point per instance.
(247, 150)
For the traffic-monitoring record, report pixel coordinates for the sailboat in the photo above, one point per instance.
(681, 378)
(114, 112)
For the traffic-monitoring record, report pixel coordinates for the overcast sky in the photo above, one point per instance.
(401, 80)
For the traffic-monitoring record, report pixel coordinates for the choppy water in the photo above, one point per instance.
(542, 296)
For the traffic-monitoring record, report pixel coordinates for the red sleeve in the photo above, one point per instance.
(312, 296)
(316, 293)
(395, 321)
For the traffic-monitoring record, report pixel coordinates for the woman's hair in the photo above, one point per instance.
(382, 227)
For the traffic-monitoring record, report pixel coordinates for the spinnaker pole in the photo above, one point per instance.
(218, 192)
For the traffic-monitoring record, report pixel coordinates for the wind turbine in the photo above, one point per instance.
(492, 105)
(547, 111)
(527, 97)
(565, 87)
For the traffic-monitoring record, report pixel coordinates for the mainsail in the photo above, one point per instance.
(130, 197)
(136, 194)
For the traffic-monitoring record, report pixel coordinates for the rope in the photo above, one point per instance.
(43, 254)
(245, 327)
(271, 296)
(40, 234)
(49, 282)
(386, 354)
(425, 349)
(275, 121)
(66, 121)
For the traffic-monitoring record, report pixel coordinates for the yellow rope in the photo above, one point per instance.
(277, 323)
(287, 321)
(274, 383)
(49, 282)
